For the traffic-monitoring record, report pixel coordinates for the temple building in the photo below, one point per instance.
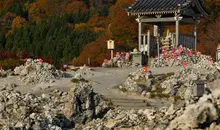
(163, 12)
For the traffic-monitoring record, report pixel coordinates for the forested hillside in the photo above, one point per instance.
(74, 30)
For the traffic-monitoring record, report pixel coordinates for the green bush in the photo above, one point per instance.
(10, 63)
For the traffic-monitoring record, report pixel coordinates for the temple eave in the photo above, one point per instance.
(152, 12)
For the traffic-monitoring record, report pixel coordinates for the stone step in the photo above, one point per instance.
(131, 104)
(128, 100)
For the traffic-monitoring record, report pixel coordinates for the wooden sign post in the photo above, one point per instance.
(111, 46)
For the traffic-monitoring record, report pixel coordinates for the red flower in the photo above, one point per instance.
(40, 60)
(185, 64)
(105, 60)
(145, 68)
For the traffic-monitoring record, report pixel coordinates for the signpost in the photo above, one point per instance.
(111, 46)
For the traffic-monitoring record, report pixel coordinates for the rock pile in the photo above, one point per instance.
(138, 82)
(180, 56)
(53, 111)
(200, 115)
(182, 82)
(3, 74)
(82, 71)
(35, 71)
(179, 84)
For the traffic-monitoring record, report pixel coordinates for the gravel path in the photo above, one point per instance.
(103, 81)
(104, 85)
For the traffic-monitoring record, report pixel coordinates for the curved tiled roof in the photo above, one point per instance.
(153, 6)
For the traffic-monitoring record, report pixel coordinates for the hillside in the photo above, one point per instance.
(75, 30)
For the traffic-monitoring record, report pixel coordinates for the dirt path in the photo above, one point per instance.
(104, 85)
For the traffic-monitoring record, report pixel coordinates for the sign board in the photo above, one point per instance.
(110, 44)
(142, 48)
(155, 30)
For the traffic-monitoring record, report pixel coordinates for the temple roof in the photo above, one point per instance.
(145, 7)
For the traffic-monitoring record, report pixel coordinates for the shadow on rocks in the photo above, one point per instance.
(62, 122)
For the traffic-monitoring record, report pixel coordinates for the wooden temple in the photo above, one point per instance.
(177, 12)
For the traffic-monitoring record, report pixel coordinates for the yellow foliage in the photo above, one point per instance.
(82, 26)
(97, 29)
(18, 22)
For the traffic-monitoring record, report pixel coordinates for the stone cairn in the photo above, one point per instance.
(37, 71)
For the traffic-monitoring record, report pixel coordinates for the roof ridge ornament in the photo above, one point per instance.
(158, 16)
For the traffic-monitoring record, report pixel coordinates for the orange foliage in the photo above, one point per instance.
(18, 22)
(123, 27)
(82, 26)
(120, 27)
(96, 23)
(5, 4)
(120, 5)
(7, 20)
(209, 37)
(42, 9)
(36, 13)
(96, 51)
(75, 7)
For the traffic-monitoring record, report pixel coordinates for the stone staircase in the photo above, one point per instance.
(128, 103)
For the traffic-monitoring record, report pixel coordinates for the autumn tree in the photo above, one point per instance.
(75, 7)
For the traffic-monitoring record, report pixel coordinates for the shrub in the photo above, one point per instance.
(10, 63)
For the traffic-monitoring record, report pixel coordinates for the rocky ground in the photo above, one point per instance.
(35, 71)
(72, 102)
(202, 114)
(55, 110)
(187, 110)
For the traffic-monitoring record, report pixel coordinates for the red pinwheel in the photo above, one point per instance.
(145, 68)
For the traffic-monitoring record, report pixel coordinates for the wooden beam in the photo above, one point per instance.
(188, 21)
(168, 19)
(148, 20)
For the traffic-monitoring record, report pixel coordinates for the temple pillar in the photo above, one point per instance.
(195, 35)
(139, 35)
(177, 30)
